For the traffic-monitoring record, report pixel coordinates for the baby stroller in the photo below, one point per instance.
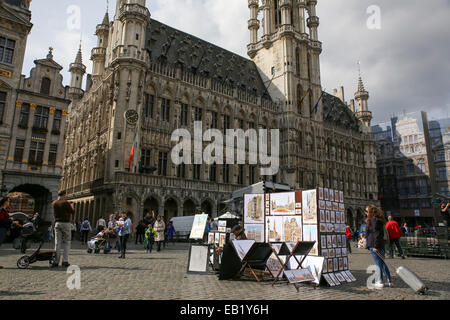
(36, 230)
(99, 242)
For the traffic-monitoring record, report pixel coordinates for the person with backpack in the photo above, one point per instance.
(171, 232)
(395, 233)
(124, 232)
(85, 229)
(150, 236)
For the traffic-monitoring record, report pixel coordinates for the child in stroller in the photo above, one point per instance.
(100, 242)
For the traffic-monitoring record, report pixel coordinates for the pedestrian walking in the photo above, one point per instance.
(63, 211)
(375, 235)
(140, 232)
(159, 227)
(395, 233)
(150, 235)
(207, 229)
(444, 213)
(85, 229)
(348, 235)
(124, 226)
(5, 220)
(171, 232)
(101, 225)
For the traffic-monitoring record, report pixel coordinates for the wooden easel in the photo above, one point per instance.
(300, 249)
(258, 255)
(283, 251)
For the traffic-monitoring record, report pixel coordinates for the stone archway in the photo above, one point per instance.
(151, 204)
(170, 209)
(189, 208)
(41, 195)
(207, 207)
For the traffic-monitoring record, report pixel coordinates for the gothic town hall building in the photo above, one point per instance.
(149, 79)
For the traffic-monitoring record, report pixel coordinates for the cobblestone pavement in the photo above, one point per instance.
(162, 276)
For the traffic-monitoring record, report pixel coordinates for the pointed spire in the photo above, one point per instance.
(106, 19)
(79, 58)
(360, 82)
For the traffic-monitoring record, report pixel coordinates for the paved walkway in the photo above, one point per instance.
(162, 275)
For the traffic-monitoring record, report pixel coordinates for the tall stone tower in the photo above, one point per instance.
(287, 56)
(98, 54)
(128, 61)
(77, 70)
(362, 113)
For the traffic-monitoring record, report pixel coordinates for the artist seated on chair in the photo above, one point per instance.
(231, 264)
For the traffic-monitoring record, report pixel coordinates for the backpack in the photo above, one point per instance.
(86, 224)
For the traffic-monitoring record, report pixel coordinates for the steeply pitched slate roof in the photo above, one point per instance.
(337, 113)
(175, 47)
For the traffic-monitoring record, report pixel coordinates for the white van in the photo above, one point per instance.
(183, 226)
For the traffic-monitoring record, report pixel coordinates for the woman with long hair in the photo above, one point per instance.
(376, 222)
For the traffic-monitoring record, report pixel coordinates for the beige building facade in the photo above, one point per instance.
(150, 79)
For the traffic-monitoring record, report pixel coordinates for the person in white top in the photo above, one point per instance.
(101, 224)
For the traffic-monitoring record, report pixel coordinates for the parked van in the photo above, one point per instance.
(183, 227)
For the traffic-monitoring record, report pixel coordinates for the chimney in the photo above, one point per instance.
(352, 105)
(341, 94)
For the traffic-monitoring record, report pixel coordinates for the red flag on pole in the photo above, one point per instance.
(132, 151)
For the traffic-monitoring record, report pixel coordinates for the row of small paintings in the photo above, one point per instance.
(330, 216)
(332, 228)
(333, 241)
(331, 195)
(334, 253)
(331, 205)
(336, 279)
(335, 264)
(217, 238)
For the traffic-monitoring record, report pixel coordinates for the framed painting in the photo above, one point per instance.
(255, 232)
(211, 238)
(331, 192)
(310, 234)
(346, 277)
(322, 204)
(341, 264)
(334, 241)
(254, 209)
(198, 262)
(336, 264)
(292, 229)
(326, 194)
(274, 229)
(222, 240)
(323, 228)
(333, 217)
(331, 253)
(282, 204)
(341, 196)
(330, 265)
(323, 242)
(340, 277)
(325, 253)
(350, 275)
(322, 216)
(335, 279)
(309, 204)
(337, 252)
(328, 216)
(321, 197)
(329, 242)
(329, 280)
(345, 263)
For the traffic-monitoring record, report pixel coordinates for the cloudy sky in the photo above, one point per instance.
(405, 62)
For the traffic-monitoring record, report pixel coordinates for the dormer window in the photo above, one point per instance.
(45, 86)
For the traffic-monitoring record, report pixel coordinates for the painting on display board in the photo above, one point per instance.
(198, 226)
(350, 275)
(274, 229)
(310, 234)
(328, 216)
(222, 240)
(336, 195)
(325, 253)
(211, 238)
(323, 228)
(282, 204)
(309, 202)
(330, 265)
(323, 242)
(331, 192)
(217, 238)
(321, 196)
(315, 266)
(340, 277)
(254, 209)
(331, 253)
(326, 194)
(341, 196)
(345, 262)
(322, 216)
(299, 275)
(335, 279)
(292, 229)
(255, 232)
(329, 280)
(346, 277)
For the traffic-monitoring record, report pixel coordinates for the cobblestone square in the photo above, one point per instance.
(162, 276)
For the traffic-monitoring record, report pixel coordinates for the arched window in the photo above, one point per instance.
(45, 86)
(299, 98)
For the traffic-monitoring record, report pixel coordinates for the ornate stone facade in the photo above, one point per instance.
(172, 79)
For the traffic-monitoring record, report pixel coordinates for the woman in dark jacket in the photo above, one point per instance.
(376, 244)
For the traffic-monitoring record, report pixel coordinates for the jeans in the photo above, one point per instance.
(63, 236)
(150, 245)
(391, 247)
(159, 245)
(123, 244)
(381, 267)
(2, 235)
(84, 236)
